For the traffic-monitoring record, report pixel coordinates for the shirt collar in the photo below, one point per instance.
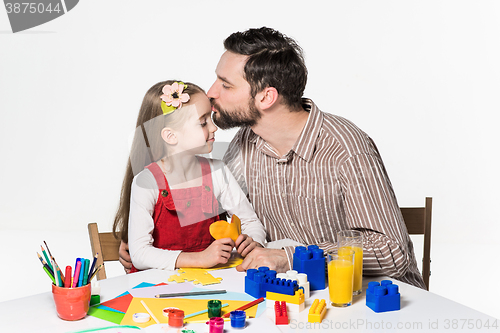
(306, 142)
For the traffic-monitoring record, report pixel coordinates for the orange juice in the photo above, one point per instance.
(358, 268)
(340, 279)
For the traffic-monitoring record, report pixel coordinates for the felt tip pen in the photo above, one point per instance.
(77, 274)
(67, 280)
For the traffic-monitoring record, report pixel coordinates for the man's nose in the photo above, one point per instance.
(212, 92)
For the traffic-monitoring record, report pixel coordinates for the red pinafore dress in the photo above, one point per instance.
(185, 224)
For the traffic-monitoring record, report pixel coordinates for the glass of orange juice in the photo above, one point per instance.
(340, 276)
(353, 240)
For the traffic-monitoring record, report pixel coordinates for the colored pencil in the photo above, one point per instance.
(48, 273)
(45, 264)
(191, 293)
(96, 271)
(91, 270)
(47, 258)
(149, 311)
(203, 311)
(246, 306)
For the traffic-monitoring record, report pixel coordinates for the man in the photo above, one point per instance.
(308, 174)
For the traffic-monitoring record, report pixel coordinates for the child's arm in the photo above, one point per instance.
(140, 226)
(218, 252)
(234, 201)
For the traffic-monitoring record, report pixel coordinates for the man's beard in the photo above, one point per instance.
(238, 117)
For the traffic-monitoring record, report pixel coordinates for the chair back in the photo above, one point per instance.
(106, 245)
(418, 222)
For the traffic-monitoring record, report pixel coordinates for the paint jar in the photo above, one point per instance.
(216, 325)
(238, 318)
(71, 303)
(175, 318)
(214, 308)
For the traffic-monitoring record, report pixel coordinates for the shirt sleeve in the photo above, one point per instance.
(144, 194)
(371, 207)
(234, 201)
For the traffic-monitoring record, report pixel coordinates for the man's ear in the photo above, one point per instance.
(168, 135)
(266, 98)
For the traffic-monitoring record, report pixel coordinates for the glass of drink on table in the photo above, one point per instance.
(353, 240)
(340, 276)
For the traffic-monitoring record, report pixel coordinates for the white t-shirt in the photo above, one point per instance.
(144, 194)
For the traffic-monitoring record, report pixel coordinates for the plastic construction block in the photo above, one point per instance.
(311, 261)
(317, 311)
(298, 298)
(258, 282)
(280, 312)
(301, 279)
(294, 303)
(383, 297)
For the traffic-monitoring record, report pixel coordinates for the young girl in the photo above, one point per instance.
(166, 209)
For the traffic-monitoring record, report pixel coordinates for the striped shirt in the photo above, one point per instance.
(332, 179)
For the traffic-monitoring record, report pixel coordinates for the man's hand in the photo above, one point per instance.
(245, 244)
(272, 258)
(125, 259)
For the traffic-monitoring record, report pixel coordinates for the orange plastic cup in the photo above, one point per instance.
(71, 303)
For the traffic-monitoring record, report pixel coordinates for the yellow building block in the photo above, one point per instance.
(317, 311)
(298, 298)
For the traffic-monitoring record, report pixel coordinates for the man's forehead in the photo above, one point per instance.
(231, 65)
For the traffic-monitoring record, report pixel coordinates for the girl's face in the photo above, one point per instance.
(197, 133)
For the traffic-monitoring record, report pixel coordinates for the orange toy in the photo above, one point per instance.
(223, 229)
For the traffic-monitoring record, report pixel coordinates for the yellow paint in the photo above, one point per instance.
(156, 305)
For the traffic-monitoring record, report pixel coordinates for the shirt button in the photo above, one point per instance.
(164, 193)
(188, 203)
(283, 194)
(292, 224)
(207, 188)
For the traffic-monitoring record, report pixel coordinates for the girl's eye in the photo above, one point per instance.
(225, 86)
(203, 124)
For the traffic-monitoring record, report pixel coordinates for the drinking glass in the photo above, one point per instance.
(353, 239)
(340, 276)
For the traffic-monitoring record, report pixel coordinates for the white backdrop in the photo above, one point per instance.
(422, 78)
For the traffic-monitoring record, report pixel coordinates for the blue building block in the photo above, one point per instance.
(258, 282)
(383, 297)
(311, 261)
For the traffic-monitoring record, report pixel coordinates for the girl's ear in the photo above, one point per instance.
(168, 135)
(266, 98)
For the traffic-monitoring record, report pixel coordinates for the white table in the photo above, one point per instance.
(421, 311)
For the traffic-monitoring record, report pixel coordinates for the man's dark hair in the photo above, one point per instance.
(274, 60)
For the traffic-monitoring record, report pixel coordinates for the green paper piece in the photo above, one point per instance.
(167, 109)
(112, 316)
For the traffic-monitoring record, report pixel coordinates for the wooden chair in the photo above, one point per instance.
(106, 245)
(418, 222)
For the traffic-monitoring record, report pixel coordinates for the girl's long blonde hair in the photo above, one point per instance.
(147, 146)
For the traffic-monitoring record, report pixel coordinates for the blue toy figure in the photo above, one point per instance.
(311, 261)
(383, 297)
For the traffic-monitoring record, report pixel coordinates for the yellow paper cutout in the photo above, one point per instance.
(223, 229)
(198, 276)
(156, 305)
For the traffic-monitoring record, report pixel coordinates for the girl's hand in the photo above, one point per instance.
(218, 252)
(245, 244)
